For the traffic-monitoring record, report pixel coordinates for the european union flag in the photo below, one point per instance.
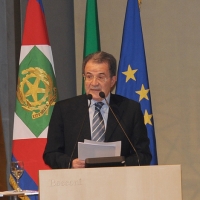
(132, 72)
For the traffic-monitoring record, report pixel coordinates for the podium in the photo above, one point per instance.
(161, 182)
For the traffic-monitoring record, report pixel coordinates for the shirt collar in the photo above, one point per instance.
(105, 104)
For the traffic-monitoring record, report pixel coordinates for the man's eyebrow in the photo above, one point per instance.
(101, 73)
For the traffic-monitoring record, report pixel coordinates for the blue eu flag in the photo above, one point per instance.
(132, 72)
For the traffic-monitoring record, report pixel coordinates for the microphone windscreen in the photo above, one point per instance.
(102, 94)
(89, 96)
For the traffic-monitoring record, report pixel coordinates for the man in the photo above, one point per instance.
(72, 119)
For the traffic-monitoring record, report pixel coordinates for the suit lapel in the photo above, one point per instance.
(85, 123)
(112, 122)
(86, 128)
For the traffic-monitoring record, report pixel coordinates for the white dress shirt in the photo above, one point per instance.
(104, 111)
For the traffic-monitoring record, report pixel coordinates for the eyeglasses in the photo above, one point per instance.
(89, 77)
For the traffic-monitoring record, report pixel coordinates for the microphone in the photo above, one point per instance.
(102, 95)
(89, 97)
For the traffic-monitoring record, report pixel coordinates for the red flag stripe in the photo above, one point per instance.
(35, 33)
(30, 151)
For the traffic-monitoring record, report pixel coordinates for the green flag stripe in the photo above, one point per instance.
(92, 38)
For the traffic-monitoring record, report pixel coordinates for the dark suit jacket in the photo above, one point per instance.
(71, 115)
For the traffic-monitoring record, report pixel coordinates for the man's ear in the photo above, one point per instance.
(113, 80)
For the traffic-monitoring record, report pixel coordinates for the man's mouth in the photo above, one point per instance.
(95, 89)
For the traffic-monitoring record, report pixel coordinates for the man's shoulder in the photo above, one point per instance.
(123, 104)
(118, 98)
(72, 101)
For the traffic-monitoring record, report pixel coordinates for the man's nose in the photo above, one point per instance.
(94, 81)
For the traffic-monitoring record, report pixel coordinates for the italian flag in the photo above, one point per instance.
(91, 35)
(36, 96)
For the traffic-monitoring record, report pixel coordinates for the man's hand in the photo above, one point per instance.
(76, 163)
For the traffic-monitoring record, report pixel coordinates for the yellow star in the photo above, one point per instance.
(34, 89)
(143, 93)
(147, 118)
(130, 73)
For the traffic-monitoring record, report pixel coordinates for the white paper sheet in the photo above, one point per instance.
(117, 145)
(91, 149)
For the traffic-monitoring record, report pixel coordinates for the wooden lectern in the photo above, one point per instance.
(162, 182)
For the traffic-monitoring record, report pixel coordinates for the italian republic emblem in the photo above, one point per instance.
(36, 92)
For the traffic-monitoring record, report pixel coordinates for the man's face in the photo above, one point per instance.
(98, 79)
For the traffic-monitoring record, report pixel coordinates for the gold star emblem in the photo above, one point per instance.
(143, 93)
(130, 73)
(34, 89)
(147, 118)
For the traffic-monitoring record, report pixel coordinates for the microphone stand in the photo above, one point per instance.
(89, 96)
(102, 95)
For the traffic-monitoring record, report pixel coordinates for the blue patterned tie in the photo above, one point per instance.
(98, 127)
